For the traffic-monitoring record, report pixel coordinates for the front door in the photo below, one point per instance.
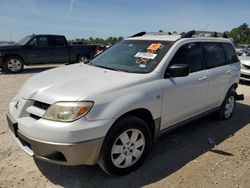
(185, 97)
(38, 51)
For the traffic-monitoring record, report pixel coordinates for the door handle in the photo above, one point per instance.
(202, 78)
(228, 71)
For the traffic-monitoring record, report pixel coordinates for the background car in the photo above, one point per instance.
(245, 67)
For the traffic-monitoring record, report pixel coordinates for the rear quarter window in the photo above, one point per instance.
(230, 53)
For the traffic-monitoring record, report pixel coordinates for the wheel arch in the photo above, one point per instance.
(234, 87)
(14, 55)
(143, 114)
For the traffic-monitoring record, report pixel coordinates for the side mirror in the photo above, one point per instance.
(177, 70)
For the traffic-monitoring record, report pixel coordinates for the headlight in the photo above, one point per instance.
(67, 111)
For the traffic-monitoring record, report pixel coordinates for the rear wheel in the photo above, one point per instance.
(82, 59)
(13, 64)
(125, 146)
(227, 107)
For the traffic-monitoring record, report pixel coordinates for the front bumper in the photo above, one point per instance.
(86, 152)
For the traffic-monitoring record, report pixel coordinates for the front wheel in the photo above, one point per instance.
(125, 146)
(13, 64)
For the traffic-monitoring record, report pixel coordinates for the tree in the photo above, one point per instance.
(241, 34)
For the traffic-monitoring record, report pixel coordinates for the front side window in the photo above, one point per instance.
(137, 56)
(189, 54)
(230, 53)
(214, 55)
(39, 42)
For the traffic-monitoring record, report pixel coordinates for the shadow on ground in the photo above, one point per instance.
(169, 153)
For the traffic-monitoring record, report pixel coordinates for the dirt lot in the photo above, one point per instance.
(182, 158)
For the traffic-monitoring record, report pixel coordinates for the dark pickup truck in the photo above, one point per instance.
(43, 49)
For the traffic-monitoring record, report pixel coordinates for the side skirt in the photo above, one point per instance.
(175, 126)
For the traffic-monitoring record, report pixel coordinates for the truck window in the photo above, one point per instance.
(39, 42)
(57, 41)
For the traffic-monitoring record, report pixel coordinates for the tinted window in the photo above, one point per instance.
(39, 42)
(190, 54)
(57, 41)
(230, 53)
(214, 55)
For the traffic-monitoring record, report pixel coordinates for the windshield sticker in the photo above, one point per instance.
(146, 55)
(154, 47)
(142, 61)
(142, 65)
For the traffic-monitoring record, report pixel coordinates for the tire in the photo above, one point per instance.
(13, 64)
(82, 59)
(228, 106)
(125, 146)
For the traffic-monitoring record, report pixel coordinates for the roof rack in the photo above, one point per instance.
(151, 33)
(194, 33)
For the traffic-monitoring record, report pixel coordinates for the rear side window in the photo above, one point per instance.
(57, 41)
(214, 55)
(190, 54)
(230, 53)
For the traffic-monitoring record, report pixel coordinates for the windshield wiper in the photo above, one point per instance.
(109, 68)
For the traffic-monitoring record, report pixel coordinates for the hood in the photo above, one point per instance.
(10, 46)
(74, 82)
(245, 61)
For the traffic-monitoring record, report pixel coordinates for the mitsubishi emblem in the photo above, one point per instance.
(16, 105)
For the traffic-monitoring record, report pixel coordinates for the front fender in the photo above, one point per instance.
(120, 105)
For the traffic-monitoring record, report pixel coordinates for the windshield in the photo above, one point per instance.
(25, 40)
(133, 56)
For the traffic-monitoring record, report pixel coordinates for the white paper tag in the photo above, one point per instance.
(142, 66)
(146, 55)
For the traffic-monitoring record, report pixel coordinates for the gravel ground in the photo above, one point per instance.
(205, 153)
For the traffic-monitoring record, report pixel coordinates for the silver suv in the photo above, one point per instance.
(110, 110)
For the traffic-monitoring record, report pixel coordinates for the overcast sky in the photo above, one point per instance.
(104, 18)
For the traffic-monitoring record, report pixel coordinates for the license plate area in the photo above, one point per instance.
(12, 124)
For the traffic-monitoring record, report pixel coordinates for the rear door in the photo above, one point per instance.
(219, 72)
(185, 97)
(37, 50)
(58, 49)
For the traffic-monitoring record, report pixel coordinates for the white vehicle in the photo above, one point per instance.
(241, 49)
(110, 110)
(245, 67)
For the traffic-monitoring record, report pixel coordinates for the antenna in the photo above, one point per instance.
(206, 26)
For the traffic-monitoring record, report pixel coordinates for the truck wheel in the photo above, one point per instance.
(125, 146)
(82, 59)
(13, 64)
(227, 107)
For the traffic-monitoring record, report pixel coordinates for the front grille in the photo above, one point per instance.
(41, 105)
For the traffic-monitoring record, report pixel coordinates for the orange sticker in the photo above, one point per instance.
(153, 47)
